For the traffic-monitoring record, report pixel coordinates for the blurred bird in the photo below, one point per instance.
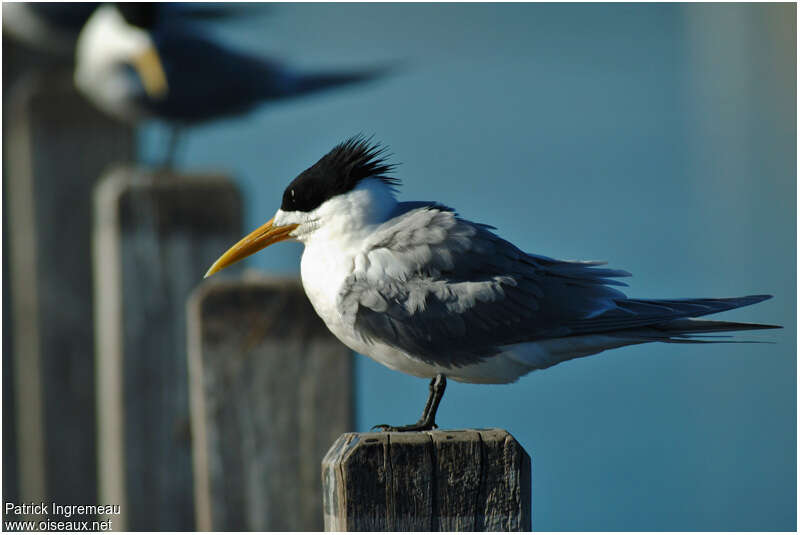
(133, 67)
(423, 291)
(53, 27)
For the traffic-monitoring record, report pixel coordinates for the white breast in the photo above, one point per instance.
(324, 269)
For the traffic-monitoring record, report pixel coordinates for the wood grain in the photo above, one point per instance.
(271, 387)
(466, 480)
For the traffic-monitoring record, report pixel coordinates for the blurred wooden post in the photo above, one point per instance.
(470, 480)
(17, 61)
(56, 146)
(271, 387)
(155, 235)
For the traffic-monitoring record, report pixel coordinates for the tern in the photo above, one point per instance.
(53, 27)
(423, 291)
(134, 65)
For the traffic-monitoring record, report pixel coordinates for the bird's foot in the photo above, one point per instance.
(427, 421)
(419, 426)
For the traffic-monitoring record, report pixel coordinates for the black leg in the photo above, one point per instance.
(436, 388)
(428, 419)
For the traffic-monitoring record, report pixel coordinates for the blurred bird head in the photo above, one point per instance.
(337, 200)
(107, 46)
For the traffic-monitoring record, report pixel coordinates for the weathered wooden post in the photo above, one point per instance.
(55, 148)
(271, 387)
(468, 480)
(155, 234)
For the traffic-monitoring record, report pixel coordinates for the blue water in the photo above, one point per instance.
(659, 137)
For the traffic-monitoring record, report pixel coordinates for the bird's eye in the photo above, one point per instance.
(292, 194)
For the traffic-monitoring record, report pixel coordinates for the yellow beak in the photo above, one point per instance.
(265, 235)
(149, 67)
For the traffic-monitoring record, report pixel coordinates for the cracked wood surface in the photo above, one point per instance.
(466, 480)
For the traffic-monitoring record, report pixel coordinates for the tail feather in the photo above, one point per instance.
(321, 81)
(646, 313)
(685, 331)
(688, 327)
(650, 320)
(701, 307)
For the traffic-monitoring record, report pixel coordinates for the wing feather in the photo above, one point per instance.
(451, 292)
(446, 290)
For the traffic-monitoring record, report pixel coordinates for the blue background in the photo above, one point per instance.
(661, 138)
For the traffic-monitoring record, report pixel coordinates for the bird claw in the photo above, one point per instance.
(427, 420)
(419, 426)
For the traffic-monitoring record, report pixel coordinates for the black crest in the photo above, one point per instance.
(338, 172)
(141, 14)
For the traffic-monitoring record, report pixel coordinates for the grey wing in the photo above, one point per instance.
(451, 292)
